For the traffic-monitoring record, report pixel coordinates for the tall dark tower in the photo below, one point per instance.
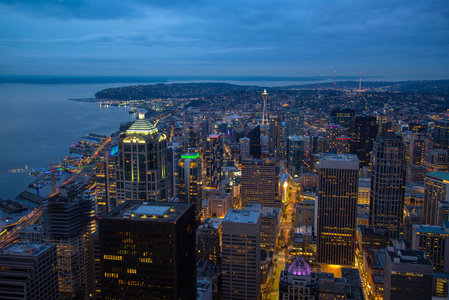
(147, 251)
(255, 149)
(337, 208)
(142, 171)
(363, 134)
(274, 134)
(440, 136)
(387, 184)
(343, 117)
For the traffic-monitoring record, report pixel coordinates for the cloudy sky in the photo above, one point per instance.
(224, 37)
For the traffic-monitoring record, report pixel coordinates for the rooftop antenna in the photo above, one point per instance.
(360, 83)
(335, 78)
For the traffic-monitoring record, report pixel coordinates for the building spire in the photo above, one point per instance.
(265, 114)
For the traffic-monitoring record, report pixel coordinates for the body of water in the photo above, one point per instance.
(38, 125)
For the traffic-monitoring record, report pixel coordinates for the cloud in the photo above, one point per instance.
(286, 33)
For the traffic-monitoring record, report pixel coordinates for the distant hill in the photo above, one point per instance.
(440, 87)
(174, 90)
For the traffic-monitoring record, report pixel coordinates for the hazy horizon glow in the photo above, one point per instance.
(224, 38)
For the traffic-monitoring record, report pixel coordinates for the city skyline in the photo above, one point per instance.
(198, 38)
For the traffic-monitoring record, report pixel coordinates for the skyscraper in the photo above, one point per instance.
(440, 135)
(147, 250)
(274, 134)
(332, 133)
(343, 116)
(244, 147)
(241, 254)
(415, 145)
(28, 271)
(69, 222)
(436, 191)
(363, 134)
(387, 184)
(208, 237)
(408, 275)
(295, 155)
(190, 178)
(105, 181)
(255, 149)
(142, 164)
(294, 122)
(337, 208)
(434, 241)
(418, 126)
(436, 160)
(213, 159)
(260, 182)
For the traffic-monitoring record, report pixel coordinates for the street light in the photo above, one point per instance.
(285, 190)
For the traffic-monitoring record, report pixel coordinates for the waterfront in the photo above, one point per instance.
(38, 125)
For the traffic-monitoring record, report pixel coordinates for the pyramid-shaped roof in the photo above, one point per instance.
(142, 126)
(299, 267)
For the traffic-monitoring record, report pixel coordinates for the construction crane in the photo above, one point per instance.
(52, 173)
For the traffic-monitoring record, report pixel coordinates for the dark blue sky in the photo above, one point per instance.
(224, 37)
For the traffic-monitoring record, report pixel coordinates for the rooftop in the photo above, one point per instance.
(165, 212)
(296, 138)
(191, 155)
(412, 257)
(439, 175)
(242, 216)
(142, 126)
(28, 249)
(211, 223)
(430, 229)
(338, 157)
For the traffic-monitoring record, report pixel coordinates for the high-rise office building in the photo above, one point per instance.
(260, 182)
(219, 204)
(105, 181)
(332, 133)
(415, 146)
(337, 208)
(28, 271)
(244, 147)
(436, 160)
(274, 134)
(174, 152)
(387, 184)
(142, 164)
(434, 241)
(363, 134)
(440, 135)
(190, 178)
(408, 275)
(255, 148)
(69, 221)
(295, 155)
(343, 145)
(418, 126)
(208, 240)
(147, 250)
(241, 254)
(213, 159)
(294, 122)
(436, 191)
(343, 116)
